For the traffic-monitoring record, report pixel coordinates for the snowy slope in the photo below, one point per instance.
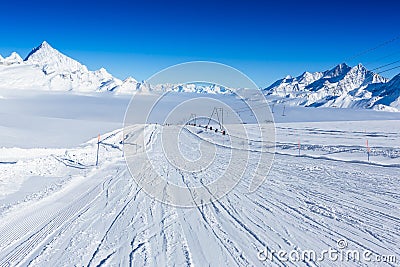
(58, 209)
(343, 86)
(99, 216)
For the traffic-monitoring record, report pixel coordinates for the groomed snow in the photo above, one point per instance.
(58, 209)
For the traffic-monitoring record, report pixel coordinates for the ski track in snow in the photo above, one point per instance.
(104, 218)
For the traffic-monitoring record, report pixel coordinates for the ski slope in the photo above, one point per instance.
(58, 209)
(99, 216)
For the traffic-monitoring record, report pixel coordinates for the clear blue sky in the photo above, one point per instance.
(266, 40)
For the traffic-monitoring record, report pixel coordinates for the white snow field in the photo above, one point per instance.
(58, 209)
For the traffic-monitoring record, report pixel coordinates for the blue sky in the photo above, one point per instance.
(266, 40)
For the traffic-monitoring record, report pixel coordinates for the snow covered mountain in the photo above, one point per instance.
(385, 96)
(14, 58)
(342, 86)
(45, 68)
(131, 85)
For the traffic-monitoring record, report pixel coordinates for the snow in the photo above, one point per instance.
(37, 119)
(52, 60)
(341, 87)
(47, 69)
(58, 209)
(14, 58)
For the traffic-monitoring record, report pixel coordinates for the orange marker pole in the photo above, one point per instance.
(98, 147)
(368, 150)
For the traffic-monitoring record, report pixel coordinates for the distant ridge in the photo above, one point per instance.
(343, 86)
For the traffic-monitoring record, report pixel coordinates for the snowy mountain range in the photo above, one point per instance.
(343, 86)
(45, 68)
